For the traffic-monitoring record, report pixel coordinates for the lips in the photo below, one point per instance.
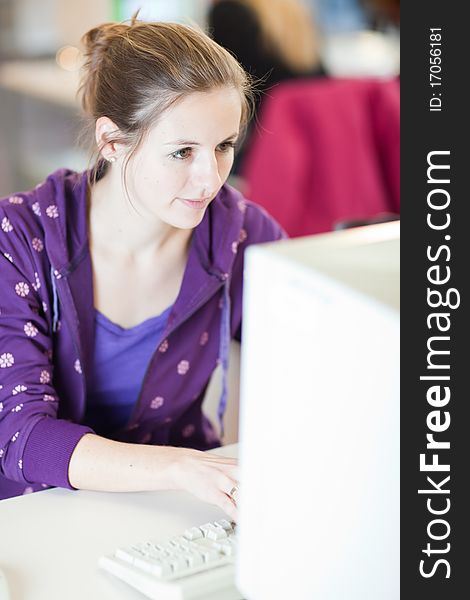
(197, 204)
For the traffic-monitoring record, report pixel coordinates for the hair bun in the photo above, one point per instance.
(96, 43)
(97, 40)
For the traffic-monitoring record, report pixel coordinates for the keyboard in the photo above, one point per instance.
(199, 564)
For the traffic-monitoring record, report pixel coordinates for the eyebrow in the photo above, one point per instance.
(182, 142)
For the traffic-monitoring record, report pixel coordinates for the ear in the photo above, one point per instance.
(105, 129)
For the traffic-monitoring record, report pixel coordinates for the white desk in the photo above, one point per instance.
(50, 541)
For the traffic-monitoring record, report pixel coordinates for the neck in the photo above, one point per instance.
(117, 226)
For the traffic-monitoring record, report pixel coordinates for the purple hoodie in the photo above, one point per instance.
(47, 330)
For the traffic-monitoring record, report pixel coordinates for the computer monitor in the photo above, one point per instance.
(319, 418)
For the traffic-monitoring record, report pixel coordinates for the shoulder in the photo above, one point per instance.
(26, 217)
(27, 208)
(21, 238)
(253, 221)
(259, 225)
(19, 218)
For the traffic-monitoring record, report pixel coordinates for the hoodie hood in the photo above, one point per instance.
(63, 198)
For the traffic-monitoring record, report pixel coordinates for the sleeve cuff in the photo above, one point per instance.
(48, 451)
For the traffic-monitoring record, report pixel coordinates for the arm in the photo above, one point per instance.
(105, 465)
(35, 445)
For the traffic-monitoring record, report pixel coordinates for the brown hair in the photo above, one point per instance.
(288, 29)
(134, 72)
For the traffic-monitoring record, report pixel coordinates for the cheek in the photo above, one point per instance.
(162, 176)
(225, 164)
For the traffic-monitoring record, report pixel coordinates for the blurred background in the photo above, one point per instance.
(323, 151)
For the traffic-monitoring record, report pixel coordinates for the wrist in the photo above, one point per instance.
(176, 470)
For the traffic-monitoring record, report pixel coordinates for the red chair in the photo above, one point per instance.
(326, 152)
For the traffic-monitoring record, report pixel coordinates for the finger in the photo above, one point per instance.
(219, 458)
(207, 456)
(230, 471)
(220, 498)
(229, 468)
(227, 505)
(227, 485)
(222, 461)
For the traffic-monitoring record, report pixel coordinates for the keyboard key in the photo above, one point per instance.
(213, 531)
(225, 525)
(178, 564)
(217, 533)
(206, 528)
(194, 559)
(129, 554)
(209, 555)
(158, 568)
(225, 547)
(193, 534)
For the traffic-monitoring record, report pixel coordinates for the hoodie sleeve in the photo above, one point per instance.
(35, 445)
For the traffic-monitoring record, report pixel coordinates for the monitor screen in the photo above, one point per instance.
(319, 418)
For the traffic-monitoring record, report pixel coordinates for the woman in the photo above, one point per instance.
(121, 286)
(274, 40)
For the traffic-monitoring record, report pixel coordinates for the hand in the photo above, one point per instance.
(106, 465)
(208, 476)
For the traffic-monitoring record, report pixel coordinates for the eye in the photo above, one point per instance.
(182, 154)
(226, 146)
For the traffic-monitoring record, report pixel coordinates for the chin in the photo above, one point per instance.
(186, 222)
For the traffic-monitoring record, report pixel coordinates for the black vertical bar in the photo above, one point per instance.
(434, 258)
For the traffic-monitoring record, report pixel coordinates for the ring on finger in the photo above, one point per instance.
(233, 494)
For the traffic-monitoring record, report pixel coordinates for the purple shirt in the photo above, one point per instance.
(47, 329)
(120, 360)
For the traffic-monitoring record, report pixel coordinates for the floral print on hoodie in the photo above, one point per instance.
(47, 330)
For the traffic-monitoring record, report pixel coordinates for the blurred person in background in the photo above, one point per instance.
(383, 13)
(336, 16)
(274, 40)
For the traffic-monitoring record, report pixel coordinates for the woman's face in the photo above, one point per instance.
(186, 158)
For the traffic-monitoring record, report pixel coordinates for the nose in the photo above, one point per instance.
(206, 176)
